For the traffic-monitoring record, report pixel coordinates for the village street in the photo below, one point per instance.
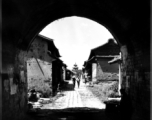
(79, 97)
(75, 104)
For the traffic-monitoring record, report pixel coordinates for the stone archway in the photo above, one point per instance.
(129, 24)
(30, 30)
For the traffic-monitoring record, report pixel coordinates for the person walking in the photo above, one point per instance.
(74, 80)
(78, 81)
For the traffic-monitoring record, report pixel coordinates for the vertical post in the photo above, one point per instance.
(64, 73)
(94, 72)
(120, 81)
(119, 87)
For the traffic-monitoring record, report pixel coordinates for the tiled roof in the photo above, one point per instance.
(110, 48)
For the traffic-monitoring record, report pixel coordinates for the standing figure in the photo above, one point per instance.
(78, 81)
(74, 80)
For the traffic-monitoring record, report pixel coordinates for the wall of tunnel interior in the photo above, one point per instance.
(28, 18)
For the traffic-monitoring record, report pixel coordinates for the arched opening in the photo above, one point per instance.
(47, 15)
(25, 19)
(81, 27)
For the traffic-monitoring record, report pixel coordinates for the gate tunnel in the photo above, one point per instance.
(128, 23)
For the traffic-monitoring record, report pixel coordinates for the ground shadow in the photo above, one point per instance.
(68, 114)
(76, 113)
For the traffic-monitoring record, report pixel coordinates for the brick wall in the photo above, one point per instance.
(14, 83)
(39, 64)
(136, 78)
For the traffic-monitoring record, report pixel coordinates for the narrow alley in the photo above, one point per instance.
(79, 97)
(74, 104)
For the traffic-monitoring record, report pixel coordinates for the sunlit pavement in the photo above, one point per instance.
(79, 97)
(74, 104)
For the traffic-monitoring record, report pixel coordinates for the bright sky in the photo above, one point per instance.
(75, 37)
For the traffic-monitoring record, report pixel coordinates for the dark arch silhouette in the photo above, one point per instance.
(127, 20)
(37, 20)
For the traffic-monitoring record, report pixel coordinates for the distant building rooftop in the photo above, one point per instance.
(110, 48)
(51, 46)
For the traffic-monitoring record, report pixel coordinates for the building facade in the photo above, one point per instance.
(97, 64)
(40, 57)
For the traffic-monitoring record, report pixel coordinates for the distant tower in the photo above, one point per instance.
(75, 68)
